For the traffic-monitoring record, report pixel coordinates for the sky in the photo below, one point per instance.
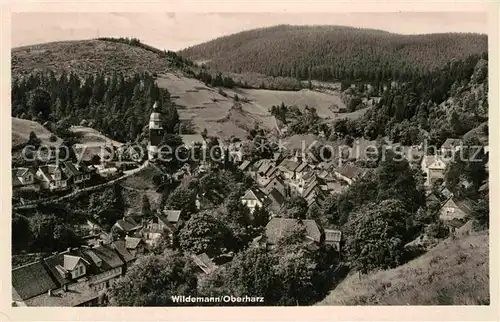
(175, 31)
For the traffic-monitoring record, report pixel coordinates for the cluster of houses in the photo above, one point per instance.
(52, 177)
(280, 178)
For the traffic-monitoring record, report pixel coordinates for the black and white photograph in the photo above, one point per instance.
(238, 159)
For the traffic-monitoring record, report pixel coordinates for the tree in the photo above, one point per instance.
(21, 233)
(202, 233)
(153, 280)
(39, 103)
(376, 236)
(34, 140)
(182, 198)
(296, 207)
(146, 211)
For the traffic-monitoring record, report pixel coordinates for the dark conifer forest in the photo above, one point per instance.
(334, 52)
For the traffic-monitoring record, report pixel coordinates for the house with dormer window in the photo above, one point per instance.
(24, 178)
(52, 177)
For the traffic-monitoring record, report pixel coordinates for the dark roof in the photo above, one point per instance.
(276, 198)
(123, 251)
(484, 187)
(127, 224)
(333, 235)
(77, 294)
(350, 171)
(277, 227)
(103, 258)
(312, 187)
(70, 169)
(19, 172)
(31, 280)
(275, 183)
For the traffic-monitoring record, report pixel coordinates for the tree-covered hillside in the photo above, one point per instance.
(334, 52)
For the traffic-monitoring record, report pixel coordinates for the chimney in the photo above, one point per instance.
(65, 287)
(49, 292)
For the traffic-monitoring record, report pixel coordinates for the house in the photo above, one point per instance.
(157, 228)
(204, 263)
(52, 177)
(127, 225)
(75, 277)
(29, 281)
(301, 170)
(253, 198)
(333, 187)
(288, 167)
(333, 238)
(276, 201)
(276, 183)
(76, 174)
(126, 256)
(312, 193)
(106, 266)
(450, 146)
(173, 216)
(25, 178)
(277, 228)
(434, 168)
(190, 140)
(134, 245)
(454, 208)
(349, 173)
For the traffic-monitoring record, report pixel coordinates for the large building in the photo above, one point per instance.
(155, 132)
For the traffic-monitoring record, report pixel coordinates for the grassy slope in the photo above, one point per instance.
(21, 130)
(455, 272)
(195, 101)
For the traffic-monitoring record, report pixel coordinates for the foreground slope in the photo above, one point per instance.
(285, 50)
(456, 272)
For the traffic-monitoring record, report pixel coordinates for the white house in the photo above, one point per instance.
(253, 198)
(434, 168)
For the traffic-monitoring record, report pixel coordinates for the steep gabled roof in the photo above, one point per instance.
(123, 251)
(132, 242)
(107, 255)
(350, 171)
(278, 227)
(70, 169)
(165, 222)
(254, 194)
(31, 280)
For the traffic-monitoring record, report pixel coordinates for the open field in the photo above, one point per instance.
(21, 130)
(210, 109)
(455, 272)
(89, 135)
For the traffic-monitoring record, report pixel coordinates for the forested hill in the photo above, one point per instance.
(334, 52)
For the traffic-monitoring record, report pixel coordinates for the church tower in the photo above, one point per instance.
(155, 132)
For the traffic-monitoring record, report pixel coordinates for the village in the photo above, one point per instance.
(80, 276)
